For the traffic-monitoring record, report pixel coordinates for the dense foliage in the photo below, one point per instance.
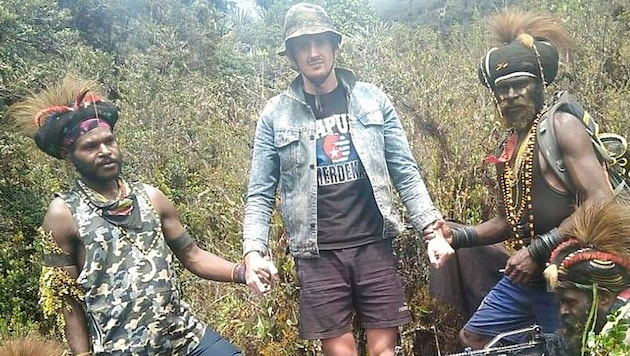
(190, 77)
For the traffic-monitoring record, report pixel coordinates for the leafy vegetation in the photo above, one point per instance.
(190, 77)
(612, 342)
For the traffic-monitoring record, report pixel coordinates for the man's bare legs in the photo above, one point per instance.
(340, 346)
(381, 342)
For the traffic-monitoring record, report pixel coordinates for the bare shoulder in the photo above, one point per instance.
(154, 193)
(570, 131)
(562, 119)
(580, 160)
(159, 200)
(57, 212)
(151, 190)
(59, 220)
(171, 223)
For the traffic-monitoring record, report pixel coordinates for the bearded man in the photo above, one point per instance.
(108, 271)
(535, 207)
(332, 147)
(591, 275)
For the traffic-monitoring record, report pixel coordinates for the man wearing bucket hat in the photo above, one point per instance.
(535, 207)
(333, 146)
(108, 273)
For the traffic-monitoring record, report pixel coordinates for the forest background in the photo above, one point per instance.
(190, 77)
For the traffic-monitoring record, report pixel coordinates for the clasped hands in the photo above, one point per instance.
(260, 273)
(437, 235)
(520, 267)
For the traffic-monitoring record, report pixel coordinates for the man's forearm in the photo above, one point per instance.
(209, 266)
(76, 328)
(255, 236)
(486, 233)
(494, 230)
(256, 223)
(213, 267)
(422, 211)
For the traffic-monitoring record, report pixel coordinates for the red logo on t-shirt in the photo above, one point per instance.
(336, 147)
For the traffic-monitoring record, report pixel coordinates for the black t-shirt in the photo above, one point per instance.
(347, 214)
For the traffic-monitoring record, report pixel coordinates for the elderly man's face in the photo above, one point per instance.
(519, 99)
(575, 306)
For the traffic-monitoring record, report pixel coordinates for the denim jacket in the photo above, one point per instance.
(284, 160)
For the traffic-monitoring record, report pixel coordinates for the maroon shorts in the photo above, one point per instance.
(341, 283)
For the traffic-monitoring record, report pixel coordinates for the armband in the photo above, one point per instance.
(57, 260)
(541, 246)
(53, 255)
(464, 236)
(181, 242)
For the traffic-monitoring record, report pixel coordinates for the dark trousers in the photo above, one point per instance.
(214, 345)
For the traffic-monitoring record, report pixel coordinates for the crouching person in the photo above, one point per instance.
(591, 275)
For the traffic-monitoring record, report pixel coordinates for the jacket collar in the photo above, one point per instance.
(345, 77)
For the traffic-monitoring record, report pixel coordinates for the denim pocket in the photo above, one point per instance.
(287, 143)
(372, 118)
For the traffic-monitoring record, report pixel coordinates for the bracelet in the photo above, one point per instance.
(540, 248)
(464, 236)
(232, 273)
(238, 273)
(86, 353)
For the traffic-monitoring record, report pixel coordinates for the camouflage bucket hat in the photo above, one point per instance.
(306, 19)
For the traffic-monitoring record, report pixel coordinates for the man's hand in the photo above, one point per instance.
(521, 267)
(260, 273)
(429, 232)
(439, 249)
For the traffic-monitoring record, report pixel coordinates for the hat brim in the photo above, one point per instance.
(311, 30)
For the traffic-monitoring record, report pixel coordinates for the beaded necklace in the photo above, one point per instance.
(518, 180)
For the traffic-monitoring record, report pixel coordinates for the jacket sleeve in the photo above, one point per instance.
(404, 170)
(262, 186)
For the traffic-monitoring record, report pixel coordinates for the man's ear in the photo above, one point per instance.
(606, 299)
(294, 65)
(65, 154)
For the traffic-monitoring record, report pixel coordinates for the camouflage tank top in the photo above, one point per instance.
(132, 303)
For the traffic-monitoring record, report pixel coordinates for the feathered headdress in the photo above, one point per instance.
(31, 346)
(529, 47)
(53, 117)
(598, 250)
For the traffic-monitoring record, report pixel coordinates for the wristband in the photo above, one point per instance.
(238, 273)
(540, 248)
(86, 353)
(464, 236)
